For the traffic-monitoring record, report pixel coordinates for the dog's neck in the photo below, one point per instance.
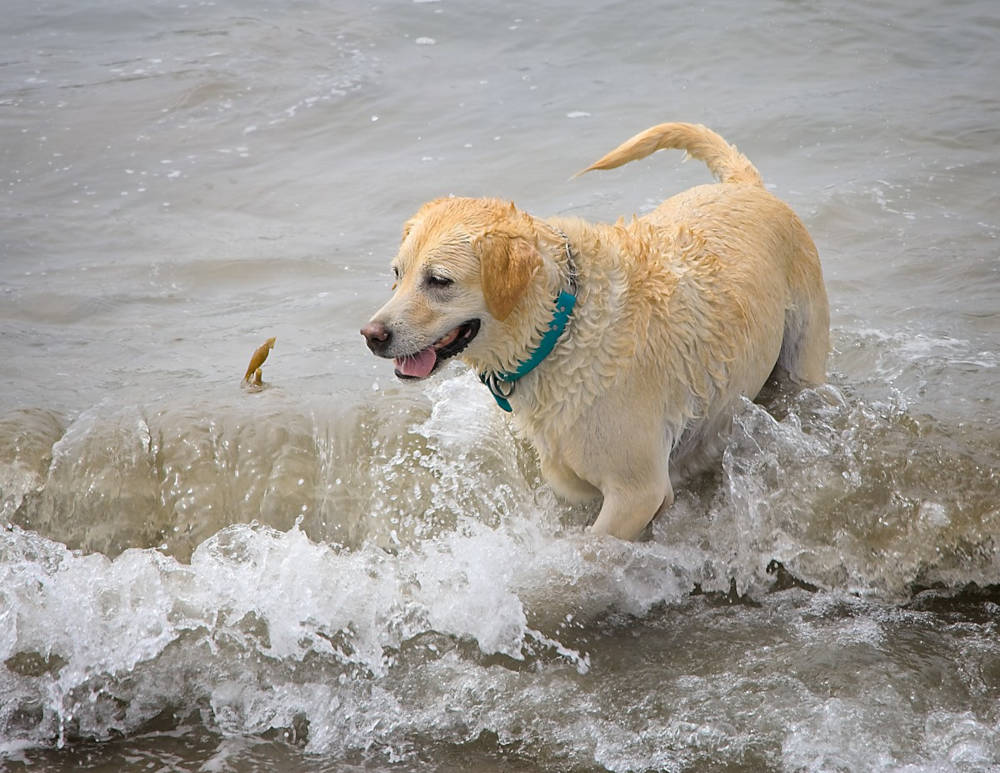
(503, 383)
(546, 311)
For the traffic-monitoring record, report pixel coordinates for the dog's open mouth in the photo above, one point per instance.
(421, 364)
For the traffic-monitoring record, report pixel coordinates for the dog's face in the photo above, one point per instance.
(462, 267)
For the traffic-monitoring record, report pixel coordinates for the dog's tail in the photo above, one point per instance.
(723, 159)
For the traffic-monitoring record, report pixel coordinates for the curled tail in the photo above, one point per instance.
(723, 159)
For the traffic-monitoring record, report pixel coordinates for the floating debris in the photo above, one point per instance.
(253, 379)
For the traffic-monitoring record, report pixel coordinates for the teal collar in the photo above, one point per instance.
(501, 384)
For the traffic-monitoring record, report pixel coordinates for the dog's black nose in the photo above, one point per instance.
(377, 335)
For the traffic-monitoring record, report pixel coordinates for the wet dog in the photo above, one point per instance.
(620, 349)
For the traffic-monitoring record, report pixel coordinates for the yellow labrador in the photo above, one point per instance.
(621, 349)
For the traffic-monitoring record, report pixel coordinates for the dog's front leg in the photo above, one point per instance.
(630, 505)
(567, 483)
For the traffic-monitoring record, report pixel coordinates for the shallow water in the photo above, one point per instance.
(343, 572)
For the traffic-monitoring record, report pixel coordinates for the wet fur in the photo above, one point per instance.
(679, 314)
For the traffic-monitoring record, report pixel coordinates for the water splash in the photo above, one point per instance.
(379, 578)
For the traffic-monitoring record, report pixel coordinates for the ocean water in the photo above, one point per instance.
(345, 572)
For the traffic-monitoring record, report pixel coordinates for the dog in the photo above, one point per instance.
(621, 350)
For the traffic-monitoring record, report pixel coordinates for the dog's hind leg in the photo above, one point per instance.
(806, 342)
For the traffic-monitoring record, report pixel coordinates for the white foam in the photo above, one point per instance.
(253, 592)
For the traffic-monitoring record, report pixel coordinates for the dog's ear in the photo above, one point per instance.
(508, 263)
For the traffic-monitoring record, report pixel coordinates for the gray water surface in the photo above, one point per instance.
(343, 572)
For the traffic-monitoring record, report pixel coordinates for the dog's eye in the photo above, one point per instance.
(435, 280)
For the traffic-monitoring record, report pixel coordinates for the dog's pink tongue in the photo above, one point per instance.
(418, 365)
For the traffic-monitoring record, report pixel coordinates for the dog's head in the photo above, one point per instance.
(463, 269)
